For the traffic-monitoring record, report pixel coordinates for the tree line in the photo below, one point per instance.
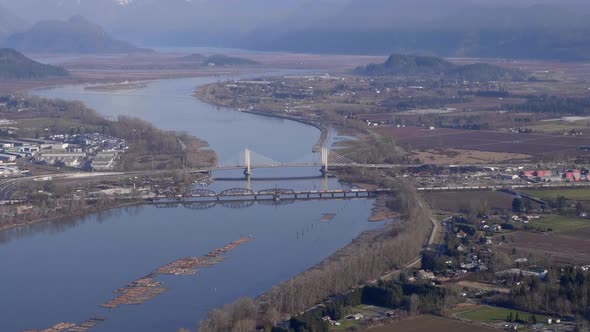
(365, 259)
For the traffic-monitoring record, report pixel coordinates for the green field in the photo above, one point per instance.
(560, 224)
(559, 126)
(571, 194)
(487, 314)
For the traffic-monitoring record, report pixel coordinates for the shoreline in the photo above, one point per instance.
(321, 142)
(199, 93)
(82, 214)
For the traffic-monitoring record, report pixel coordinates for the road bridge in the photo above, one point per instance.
(328, 160)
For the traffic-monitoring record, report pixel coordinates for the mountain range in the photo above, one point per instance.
(541, 29)
(412, 65)
(76, 35)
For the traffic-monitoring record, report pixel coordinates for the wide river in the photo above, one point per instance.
(62, 272)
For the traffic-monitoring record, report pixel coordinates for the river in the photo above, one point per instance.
(56, 272)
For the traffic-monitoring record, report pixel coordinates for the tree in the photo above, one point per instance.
(527, 205)
(517, 204)
(561, 203)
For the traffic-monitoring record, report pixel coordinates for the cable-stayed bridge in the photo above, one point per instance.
(328, 159)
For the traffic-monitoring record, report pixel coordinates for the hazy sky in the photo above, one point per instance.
(244, 13)
(220, 21)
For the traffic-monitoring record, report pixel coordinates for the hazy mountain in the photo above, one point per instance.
(403, 65)
(448, 28)
(9, 23)
(14, 65)
(77, 35)
(553, 29)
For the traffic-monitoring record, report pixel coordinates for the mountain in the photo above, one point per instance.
(533, 29)
(413, 65)
(9, 23)
(76, 35)
(466, 28)
(398, 64)
(14, 65)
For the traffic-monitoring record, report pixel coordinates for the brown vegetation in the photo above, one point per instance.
(430, 323)
(464, 157)
(469, 201)
(538, 145)
(559, 248)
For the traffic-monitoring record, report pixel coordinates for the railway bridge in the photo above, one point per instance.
(199, 196)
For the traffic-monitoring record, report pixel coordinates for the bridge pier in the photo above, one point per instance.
(324, 168)
(248, 162)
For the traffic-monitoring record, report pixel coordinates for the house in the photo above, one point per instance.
(7, 158)
(70, 159)
(543, 173)
(528, 174)
(28, 149)
(104, 161)
(355, 317)
(509, 177)
(329, 320)
(426, 275)
(527, 273)
(461, 235)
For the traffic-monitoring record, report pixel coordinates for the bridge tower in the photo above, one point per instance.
(248, 162)
(324, 169)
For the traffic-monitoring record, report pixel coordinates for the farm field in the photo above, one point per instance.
(491, 315)
(561, 224)
(538, 145)
(559, 126)
(558, 247)
(432, 324)
(582, 232)
(465, 201)
(462, 157)
(571, 194)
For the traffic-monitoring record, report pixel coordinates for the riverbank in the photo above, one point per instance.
(323, 129)
(205, 94)
(60, 216)
(114, 87)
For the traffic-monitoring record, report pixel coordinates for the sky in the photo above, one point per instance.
(232, 22)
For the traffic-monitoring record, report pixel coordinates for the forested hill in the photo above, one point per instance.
(14, 65)
(223, 60)
(406, 65)
(217, 60)
(77, 35)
